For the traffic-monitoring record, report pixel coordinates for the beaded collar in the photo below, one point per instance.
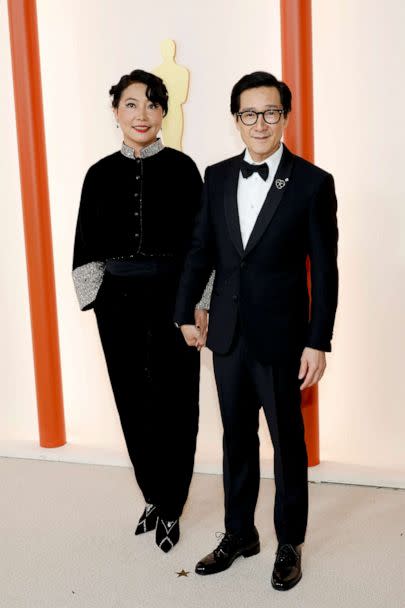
(150, 150)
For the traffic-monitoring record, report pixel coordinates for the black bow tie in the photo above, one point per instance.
(247, 170)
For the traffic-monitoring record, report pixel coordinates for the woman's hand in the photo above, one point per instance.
(201, 322)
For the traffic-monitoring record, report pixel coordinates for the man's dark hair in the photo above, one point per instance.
(260, 79)
(156, 90)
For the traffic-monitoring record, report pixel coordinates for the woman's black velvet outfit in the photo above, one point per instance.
(134, 228)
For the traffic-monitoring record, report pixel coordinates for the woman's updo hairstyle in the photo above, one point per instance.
(156, 90)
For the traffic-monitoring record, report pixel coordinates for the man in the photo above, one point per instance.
(263, 213)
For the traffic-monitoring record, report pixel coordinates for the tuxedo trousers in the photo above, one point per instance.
(244, 385)
(155, 380)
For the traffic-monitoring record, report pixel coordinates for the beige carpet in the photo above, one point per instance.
(67, 541)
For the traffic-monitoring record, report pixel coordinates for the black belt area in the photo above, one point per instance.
(141, 268)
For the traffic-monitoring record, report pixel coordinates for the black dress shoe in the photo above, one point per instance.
(148, 519)
(287, 568)
(167, 534)
(230, 547)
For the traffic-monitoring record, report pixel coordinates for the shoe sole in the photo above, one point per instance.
(286, 586)
(246, 553)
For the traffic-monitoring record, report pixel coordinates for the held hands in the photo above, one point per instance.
(313, 364)
(196, 335)
(201, 322)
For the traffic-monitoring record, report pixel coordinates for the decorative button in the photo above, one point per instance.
(235, 298)
(243, 264)
(138, 177)
(136, 234)
(136, 194)
(136, 213)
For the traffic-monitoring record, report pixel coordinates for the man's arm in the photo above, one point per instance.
(198, 264)
(323, 239)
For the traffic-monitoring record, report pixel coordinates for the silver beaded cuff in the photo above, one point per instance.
(206, 297)
(87, 280)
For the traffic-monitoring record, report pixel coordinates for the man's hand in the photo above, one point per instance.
(313, 364)
(201, 323)
(191, 335)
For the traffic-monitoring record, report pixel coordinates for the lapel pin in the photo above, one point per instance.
(280, 183)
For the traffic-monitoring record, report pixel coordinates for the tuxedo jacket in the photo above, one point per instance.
(262, 288)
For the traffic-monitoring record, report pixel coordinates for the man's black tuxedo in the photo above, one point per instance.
(265, 285)
(259, 325)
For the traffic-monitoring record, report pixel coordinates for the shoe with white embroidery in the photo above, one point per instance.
(148, 519)
(167, 534)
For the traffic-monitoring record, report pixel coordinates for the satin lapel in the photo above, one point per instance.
(231, 203)
(273, 199)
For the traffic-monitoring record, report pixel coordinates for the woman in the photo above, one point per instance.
(134, 228)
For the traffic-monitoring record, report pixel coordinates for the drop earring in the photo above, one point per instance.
(117, 125)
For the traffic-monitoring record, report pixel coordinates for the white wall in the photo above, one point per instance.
(85, 47)
(359, 53)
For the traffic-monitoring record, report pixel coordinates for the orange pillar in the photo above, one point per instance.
(296, 45)
(37, 225)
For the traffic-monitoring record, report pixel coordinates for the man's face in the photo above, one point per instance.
(261, 139)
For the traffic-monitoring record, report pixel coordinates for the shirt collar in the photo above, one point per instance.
(272, 161)
(150, 150)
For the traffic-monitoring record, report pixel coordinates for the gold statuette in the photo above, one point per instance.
(176, 79)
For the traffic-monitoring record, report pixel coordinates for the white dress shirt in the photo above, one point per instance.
(252, 192)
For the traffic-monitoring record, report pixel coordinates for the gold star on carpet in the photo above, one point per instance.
(182, 573)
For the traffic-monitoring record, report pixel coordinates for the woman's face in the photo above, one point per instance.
(139, 118)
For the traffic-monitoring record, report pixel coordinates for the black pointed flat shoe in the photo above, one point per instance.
(148, 520)
(167, 534)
